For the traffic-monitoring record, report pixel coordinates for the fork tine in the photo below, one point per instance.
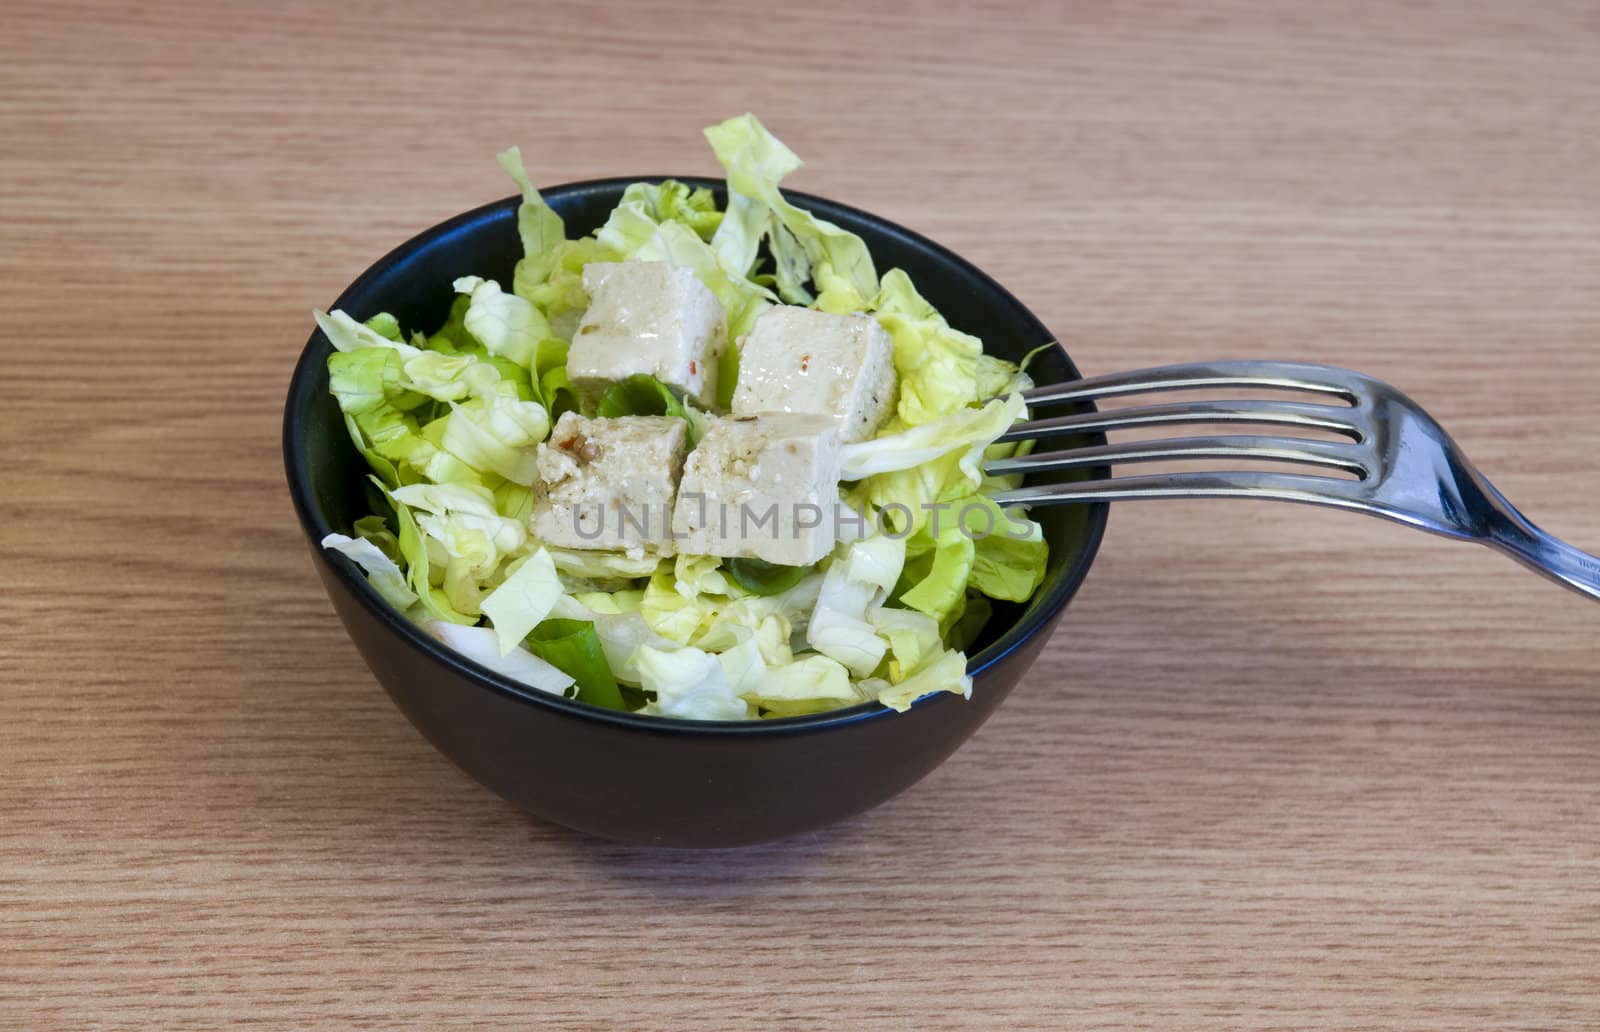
(1284, 375)
(1272, 413)
(1287, 487)
(1272, 449)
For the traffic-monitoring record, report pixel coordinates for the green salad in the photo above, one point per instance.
(704, 463)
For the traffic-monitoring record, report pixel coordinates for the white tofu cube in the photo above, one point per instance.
(648, 317)
(800, 360)
(765, 486)
(609, 484)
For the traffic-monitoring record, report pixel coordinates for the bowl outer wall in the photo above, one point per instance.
(632, 778)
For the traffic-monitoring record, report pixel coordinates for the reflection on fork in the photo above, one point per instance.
(1394, 461)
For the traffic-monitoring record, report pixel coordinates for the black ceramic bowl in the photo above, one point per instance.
(651, 779)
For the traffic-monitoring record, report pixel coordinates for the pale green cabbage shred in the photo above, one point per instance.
(449, 424)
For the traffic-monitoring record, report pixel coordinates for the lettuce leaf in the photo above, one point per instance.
(419, 566)
(925, 501)
(848, 639)
(672, 201)
(940, 368)
(913, 639)
(1009, 550)
(375, 529)
(621, 630)
(967, 431)
(540, 228)
(385, 471)
(345, 334)
(669, 613)
(507, 325)
(947, 673)
(737, 241)
(365, 379)
(554, 282)
(550, 375)
(382, 572)
(808, 679)
(688, 683)
(695, 575)
(861, 575)
(587, 565)
(449, 377)
(384, 324)
(479, 645)
(463, 536)
(756, 162)
(497, 435)
(744, 666)
(970, 542)
(524, 598)
(573, 646)
(639, 395)
(626, 600)
(937, 569)
(759, 577)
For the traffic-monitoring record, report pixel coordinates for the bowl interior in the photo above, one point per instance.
(328, 477)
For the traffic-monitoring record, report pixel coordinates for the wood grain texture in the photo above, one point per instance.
(1279, 769)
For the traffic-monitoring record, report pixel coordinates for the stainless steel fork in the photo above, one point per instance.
(1406, 467)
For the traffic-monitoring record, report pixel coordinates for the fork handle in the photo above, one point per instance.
(1545, 553)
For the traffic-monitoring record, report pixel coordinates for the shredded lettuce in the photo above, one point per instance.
(703, 574)
(573, 646)
(621, 629)
(759, 577)
(690, 683)
(479, 645)
(508, 325)
(861, 576)
(524, 598)
(913, 639)
(496, 435)
(965, 430)
(540, 228)
(940, 368)
(419, 568)
(1009, 550)
(464, 539)
(947, 673)
(365, 379)
(346, 334)
(382, 572)
(838, 260)
(639, 395)
(808, 679)
(670, 613)
(386, 325)
(584, 565)
(938, 566)
(450, 422)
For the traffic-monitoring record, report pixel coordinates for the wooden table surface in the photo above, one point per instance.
(1279, 767)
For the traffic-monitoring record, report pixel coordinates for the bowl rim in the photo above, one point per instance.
(1039, 616)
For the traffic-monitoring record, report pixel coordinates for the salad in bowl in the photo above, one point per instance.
(707, 462)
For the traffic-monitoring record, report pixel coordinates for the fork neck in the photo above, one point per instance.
(1543, 552)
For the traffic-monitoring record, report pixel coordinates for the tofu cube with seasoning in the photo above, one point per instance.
(648, 317)
(801, 360)
(609, 484)
(763, 486)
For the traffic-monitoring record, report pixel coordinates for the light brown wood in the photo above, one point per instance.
(1280, 768)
